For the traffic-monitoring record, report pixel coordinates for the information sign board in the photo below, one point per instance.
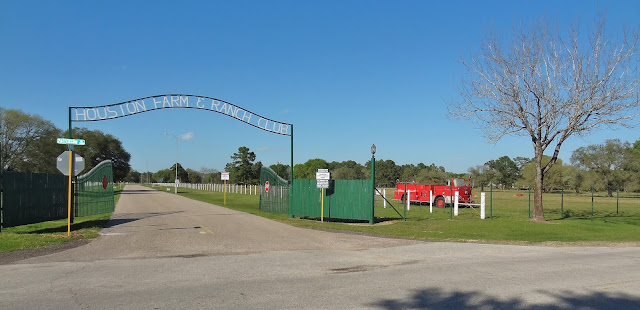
(322, 183)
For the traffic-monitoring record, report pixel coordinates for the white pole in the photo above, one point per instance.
(482, 209)
(455, 203)
(409, 200)
(430, 201)
(384, 196)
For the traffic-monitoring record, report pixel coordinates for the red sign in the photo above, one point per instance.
(104, 182)
(266, 186)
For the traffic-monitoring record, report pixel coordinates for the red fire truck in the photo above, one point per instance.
(441, 194)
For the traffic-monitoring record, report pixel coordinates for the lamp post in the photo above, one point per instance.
(373, 182)
(176, 180)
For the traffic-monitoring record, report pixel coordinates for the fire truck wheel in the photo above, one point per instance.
(404, 199)
(440, 202)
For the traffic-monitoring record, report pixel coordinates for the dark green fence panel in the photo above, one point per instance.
(346, 199)
(351, 199)
(95, 190)
(306, 199)
(33, 198)
(275, 200)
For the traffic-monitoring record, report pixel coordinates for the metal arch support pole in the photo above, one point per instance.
(70, 189)
(291, 178)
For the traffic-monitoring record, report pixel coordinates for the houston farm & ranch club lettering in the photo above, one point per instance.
(88, 114)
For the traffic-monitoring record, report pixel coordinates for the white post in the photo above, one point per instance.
(409, 200)
(430, 201)
(482, 210)
(384, 197)
(455, 203)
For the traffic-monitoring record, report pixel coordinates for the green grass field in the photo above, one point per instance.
(53, 232)
(510, 222)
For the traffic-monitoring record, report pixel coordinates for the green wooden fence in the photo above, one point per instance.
(29, 198)
(345, 199)
(95, 190)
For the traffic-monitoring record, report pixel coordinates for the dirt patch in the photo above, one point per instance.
(15, 256)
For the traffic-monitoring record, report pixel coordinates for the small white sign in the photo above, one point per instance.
(322, 183)
(224, 175)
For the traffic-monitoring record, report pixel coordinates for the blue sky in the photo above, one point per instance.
(346, 73)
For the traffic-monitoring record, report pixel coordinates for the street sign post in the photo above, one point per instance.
(63, 163)
(224, 176)
(322, 182)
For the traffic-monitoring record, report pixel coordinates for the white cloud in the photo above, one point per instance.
(187, 136)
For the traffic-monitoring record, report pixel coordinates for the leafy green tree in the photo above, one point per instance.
(133, 176)
(164, 176)
(146, 177)
(345, 173)
(483, 175)
(210, 175)
(387, 172)
(573, 178)
(606, 160)
(241, 169)
(100, 147)
(347, 170)
(309, 168)
(194, 177)
(183, 176)
(28, 142)
(507, 169)
(553, 179)
(281, 170)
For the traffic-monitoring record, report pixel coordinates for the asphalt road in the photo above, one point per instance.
(161, 251)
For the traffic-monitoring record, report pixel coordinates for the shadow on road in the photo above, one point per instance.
(434, 298)
(124, 218)
(137, 191)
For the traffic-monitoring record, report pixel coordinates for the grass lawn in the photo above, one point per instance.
(612, 221)
(52, 232)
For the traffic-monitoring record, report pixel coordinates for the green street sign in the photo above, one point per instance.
(71, 141)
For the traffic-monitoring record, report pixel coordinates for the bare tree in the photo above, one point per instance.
(548, 87)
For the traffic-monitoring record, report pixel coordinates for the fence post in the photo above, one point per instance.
(455, 203)
(430, 201)
(384, 198)
(491, 201)
(529, 201)
(617, 197)
(562, 204)
(482, 209)
(591, 200)
(450, 200)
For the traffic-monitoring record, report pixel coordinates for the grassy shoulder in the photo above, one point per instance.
(569, 219)
(53, 232)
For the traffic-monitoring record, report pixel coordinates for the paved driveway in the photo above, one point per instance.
(163, 251)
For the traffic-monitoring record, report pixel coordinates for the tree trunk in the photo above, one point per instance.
(538, 211)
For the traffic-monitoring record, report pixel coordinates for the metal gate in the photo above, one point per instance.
(95, 190)
(274, 197)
